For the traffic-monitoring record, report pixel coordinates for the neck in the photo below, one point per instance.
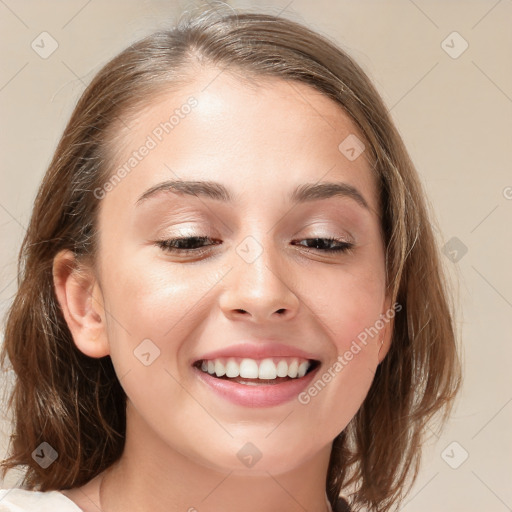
(149, 476)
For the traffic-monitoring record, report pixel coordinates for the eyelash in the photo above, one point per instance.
(169, 245)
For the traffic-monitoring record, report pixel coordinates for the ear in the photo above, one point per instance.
(388, 315)
(81, 301)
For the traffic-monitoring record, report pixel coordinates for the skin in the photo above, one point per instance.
(260, 141)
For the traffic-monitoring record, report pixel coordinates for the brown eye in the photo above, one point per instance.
(331, 245)
(186, 244)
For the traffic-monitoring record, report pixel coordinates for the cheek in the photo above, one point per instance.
(349, 306)
(348, 302)
(153, 310)
(147, 288)
(340, 387)
(158, 301)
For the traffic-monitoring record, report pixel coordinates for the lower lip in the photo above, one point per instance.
(261, 395)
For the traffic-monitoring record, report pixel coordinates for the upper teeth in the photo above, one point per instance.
(269, 368)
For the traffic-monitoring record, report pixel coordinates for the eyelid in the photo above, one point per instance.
(326, 227)
(341, 246)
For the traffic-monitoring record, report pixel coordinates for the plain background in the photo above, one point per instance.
(454, 113)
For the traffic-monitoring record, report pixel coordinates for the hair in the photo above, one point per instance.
(76, 403)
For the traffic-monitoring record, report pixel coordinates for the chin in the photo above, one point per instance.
(258, 458)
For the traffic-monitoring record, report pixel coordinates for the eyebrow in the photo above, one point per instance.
(217, 191)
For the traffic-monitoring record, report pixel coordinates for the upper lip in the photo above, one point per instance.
(260, 350)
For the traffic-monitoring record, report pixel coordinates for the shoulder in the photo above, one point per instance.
(22, 500)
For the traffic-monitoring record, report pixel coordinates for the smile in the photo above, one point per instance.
(268, 369)
(257, 382)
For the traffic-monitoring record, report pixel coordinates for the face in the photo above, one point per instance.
(264, 268)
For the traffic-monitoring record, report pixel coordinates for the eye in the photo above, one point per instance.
(186, 244)
(330, 245)
(197, 244)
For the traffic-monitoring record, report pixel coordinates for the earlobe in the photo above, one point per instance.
(81, 301)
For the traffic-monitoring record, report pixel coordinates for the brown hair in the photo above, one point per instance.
(76, 403)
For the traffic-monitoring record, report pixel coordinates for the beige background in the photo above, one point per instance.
(453, 113)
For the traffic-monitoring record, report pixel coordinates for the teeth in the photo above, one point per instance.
(303, 368)
(265, 369)
(293, 369)
(268, 369)
(282, 369)
(220, 369)
(232, 369)
(249, 369)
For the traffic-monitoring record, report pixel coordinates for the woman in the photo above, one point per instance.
(231, 296)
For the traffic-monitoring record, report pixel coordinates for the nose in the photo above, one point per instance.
(260, 289)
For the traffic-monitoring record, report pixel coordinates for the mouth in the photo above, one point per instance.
(257, 372)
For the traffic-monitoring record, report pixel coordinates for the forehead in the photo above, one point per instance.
(262, 134)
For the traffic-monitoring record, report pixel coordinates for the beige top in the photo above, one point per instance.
(21, 500)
